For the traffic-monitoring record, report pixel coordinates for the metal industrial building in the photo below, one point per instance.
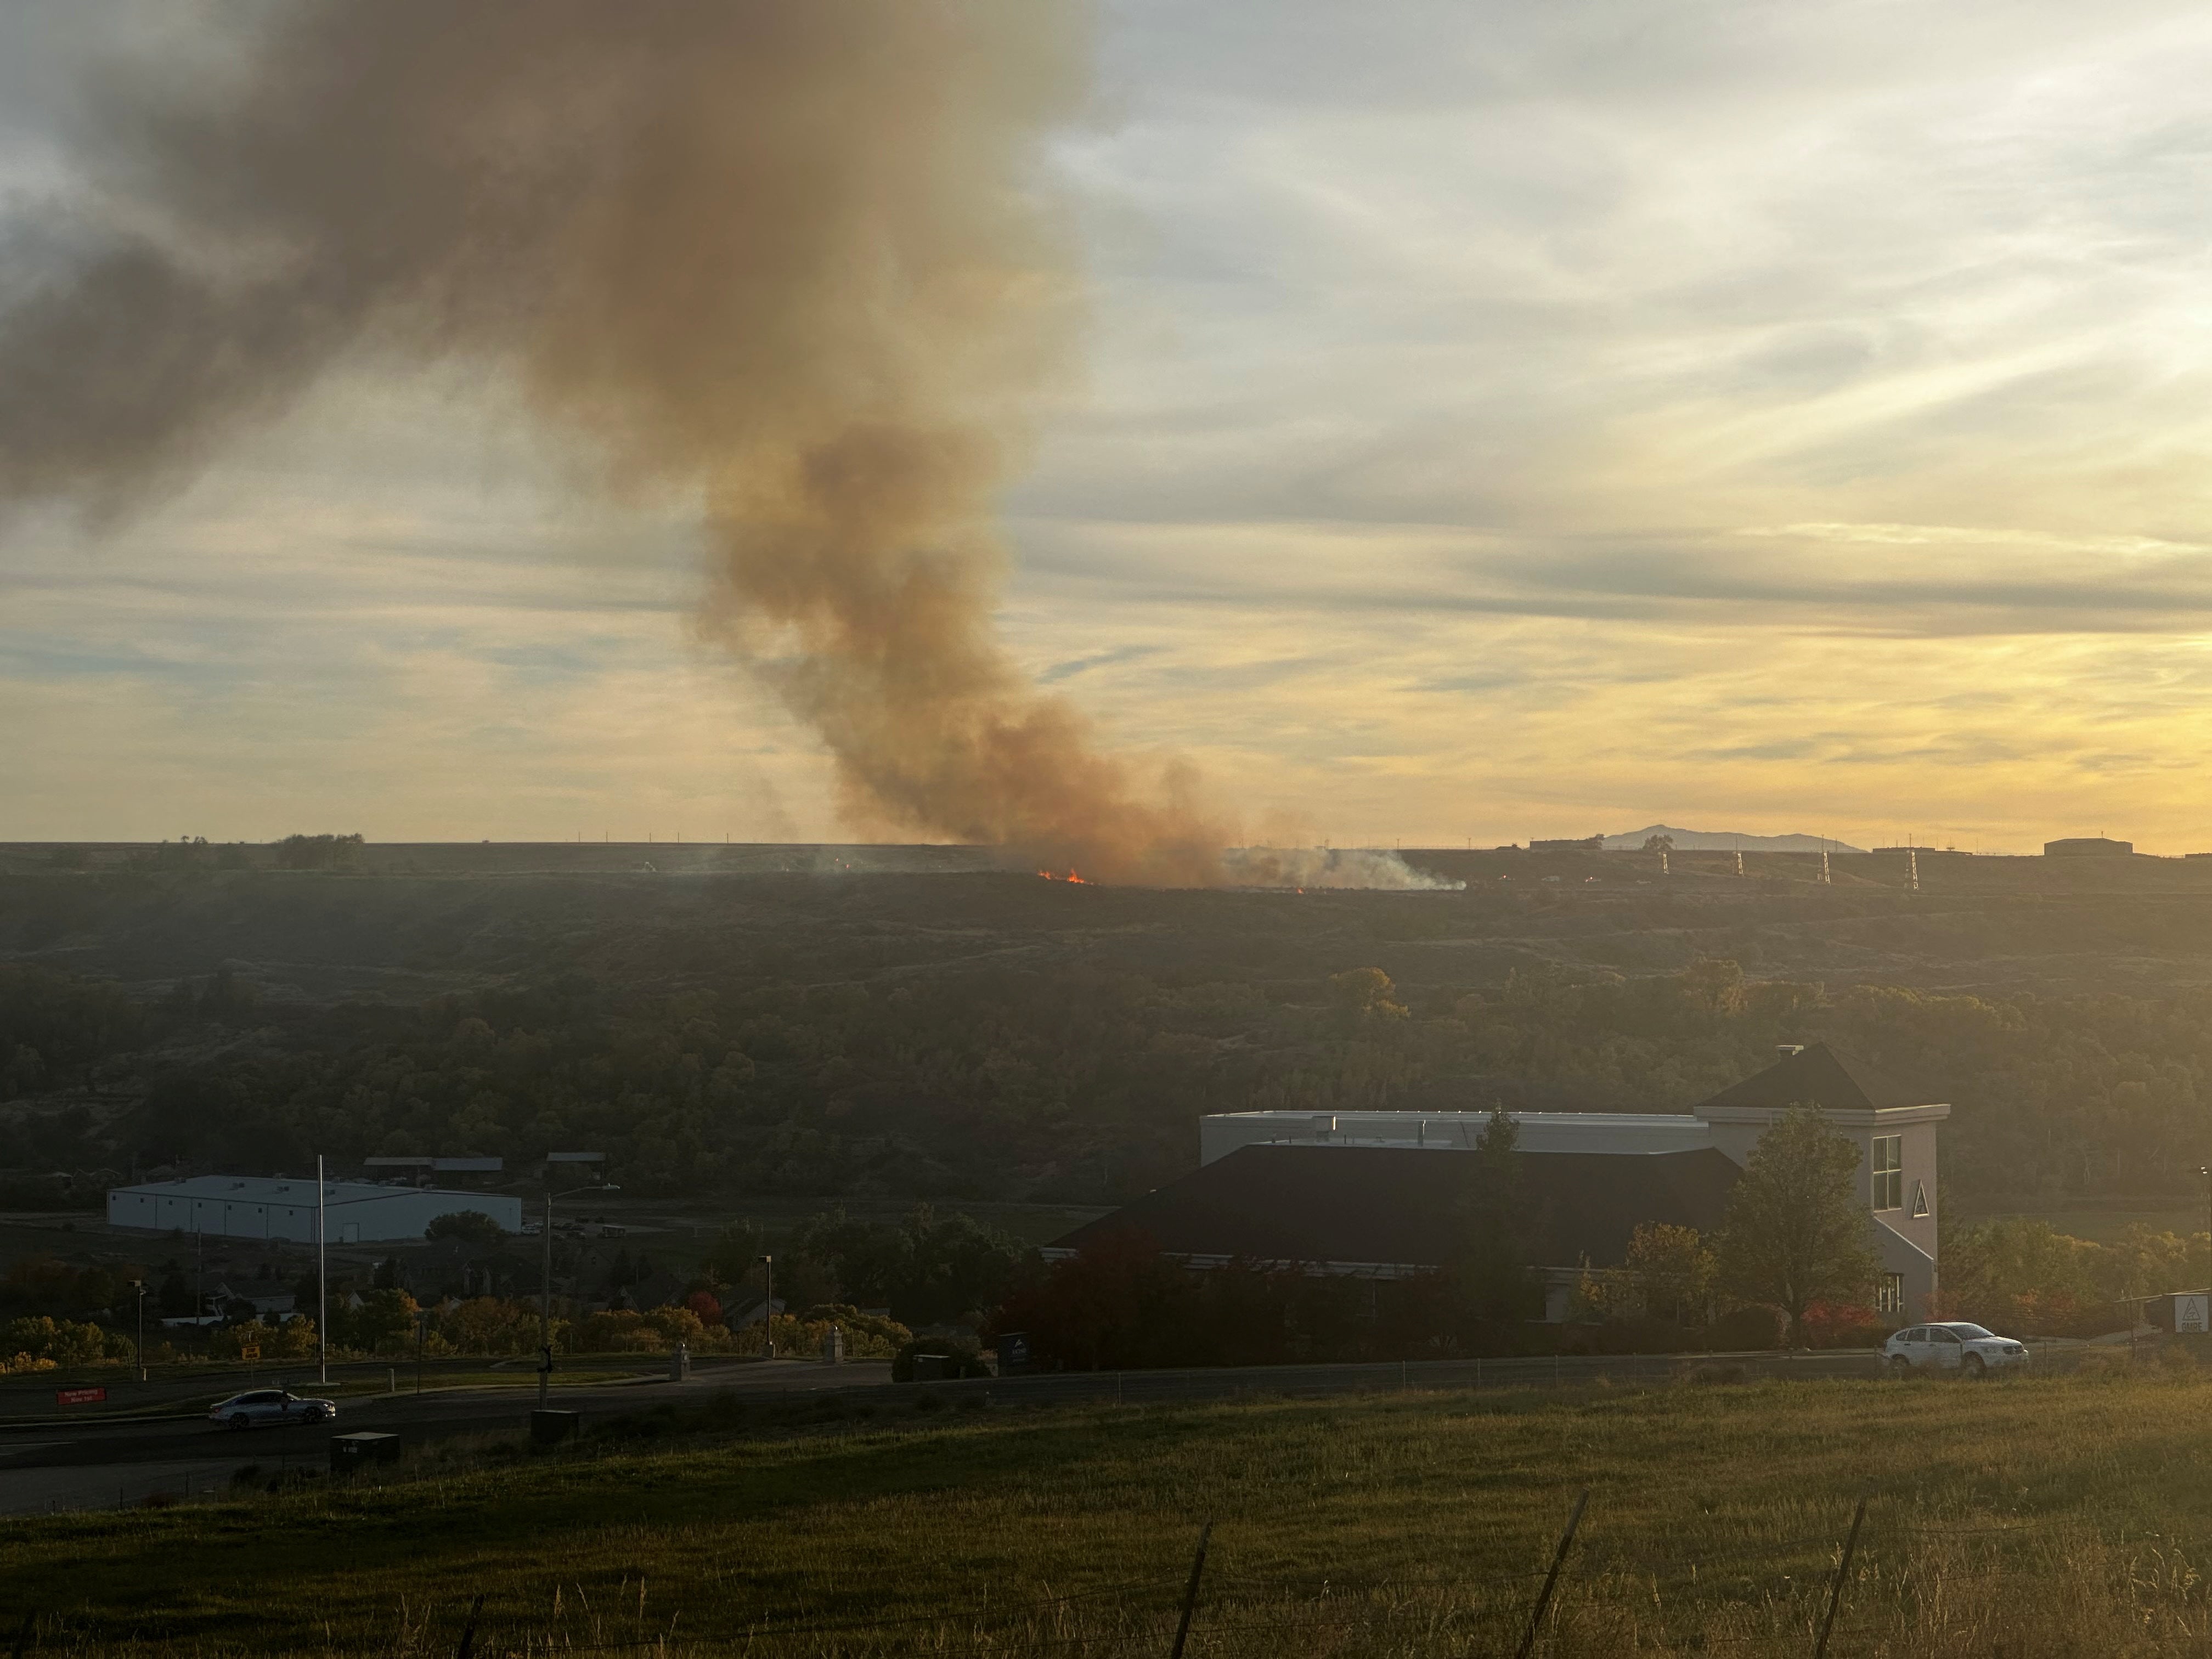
(1368, 1193)
(249, 1206)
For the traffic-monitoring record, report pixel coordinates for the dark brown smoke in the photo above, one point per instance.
(791, 260)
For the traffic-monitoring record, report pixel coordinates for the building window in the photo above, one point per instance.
(1919, 1198)
(1889, 1172)
(1890, 1298)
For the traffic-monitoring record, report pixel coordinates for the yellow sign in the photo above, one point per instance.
(249, 1350)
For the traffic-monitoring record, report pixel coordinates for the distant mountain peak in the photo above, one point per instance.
(1723, 841)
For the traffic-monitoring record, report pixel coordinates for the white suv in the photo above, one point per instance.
(250, 1410)
(1957, 1346)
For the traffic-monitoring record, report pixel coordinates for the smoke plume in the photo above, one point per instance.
(793, 262)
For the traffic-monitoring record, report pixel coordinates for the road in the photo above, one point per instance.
(87, 1464)
(78, 1465)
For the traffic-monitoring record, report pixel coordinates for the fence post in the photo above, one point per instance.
(1190, 1590)
(469, 1630)
(1836, 1590)
(1552, 1578)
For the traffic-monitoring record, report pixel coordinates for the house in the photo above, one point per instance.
(266, 1303)
(1375, 1194)
(743, 1306)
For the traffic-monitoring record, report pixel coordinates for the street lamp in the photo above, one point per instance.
(545, 1282)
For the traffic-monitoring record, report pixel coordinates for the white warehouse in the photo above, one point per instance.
(251, 1207)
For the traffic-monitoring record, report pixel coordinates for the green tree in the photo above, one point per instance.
(1366, 994)
(1673, 1269)
(1797, 1231)
(472, 1226)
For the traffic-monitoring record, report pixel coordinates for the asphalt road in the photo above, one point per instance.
(76, 1465)
(65, 1465)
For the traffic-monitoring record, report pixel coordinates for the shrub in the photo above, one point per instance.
(41, 1343)
(1744, 1328)
(472, 1226)
(1840, 1325)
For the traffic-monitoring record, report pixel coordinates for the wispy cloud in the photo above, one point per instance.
(1500, 420)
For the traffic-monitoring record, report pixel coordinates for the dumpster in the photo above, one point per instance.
(350, 1453)
(546, 1428)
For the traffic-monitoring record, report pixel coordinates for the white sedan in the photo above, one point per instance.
(263, 1406)
(1969, 1350)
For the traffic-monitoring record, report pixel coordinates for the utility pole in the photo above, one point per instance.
(139, 1285)
(322, 1282)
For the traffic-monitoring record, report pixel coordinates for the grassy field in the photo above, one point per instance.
(2051, 1516)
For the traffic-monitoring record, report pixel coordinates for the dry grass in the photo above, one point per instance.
(2054, 1516)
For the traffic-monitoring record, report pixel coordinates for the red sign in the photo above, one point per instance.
(80, 1396)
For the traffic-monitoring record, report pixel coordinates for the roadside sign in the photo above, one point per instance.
(249, 1350)
(80, 1396)
(2189, 1312)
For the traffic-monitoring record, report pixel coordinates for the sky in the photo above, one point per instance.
(1495, 421)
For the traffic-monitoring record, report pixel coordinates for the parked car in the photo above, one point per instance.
(1969, 1350)
(262, 1406)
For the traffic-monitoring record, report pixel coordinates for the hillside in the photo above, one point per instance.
(944, 1030)
(2042, 1517)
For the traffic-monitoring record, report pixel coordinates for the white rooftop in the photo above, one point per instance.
(277, 1190)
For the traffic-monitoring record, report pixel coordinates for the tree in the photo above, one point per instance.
(470, 1226)
(734, 1256)
(1673, 1269)
(1658, 844)
(317, 852)
(1797, 1231)
(1366, 994)
(1491, 1267)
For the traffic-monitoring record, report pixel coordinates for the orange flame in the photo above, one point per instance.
(1071, 876)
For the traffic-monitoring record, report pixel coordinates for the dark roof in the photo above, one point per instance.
(1820, 1076)
(1292, 1203)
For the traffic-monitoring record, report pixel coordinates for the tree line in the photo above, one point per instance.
(1055, 1084)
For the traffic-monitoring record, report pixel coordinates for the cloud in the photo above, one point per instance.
(1498, 420)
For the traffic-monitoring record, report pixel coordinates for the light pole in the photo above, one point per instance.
(545, 1280)
(768, 1305)
(139, 1285)
(322, 1283)
(2205, 1170)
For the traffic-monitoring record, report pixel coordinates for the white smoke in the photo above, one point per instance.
(1330, 866)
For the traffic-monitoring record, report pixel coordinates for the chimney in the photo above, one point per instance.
(1784, 1050)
